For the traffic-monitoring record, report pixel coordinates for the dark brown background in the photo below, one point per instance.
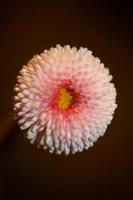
(104, 171)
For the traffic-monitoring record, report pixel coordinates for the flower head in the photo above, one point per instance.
(64, 98)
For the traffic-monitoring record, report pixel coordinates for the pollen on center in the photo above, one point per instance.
(66, 99)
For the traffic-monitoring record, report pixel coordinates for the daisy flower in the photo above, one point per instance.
(64, 98)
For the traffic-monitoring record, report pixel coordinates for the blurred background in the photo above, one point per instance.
(102, 172)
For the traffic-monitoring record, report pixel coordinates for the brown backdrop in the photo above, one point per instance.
(104, 171)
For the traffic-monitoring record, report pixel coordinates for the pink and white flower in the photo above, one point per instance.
(64, 98)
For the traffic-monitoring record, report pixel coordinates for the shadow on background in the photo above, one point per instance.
(104, 171)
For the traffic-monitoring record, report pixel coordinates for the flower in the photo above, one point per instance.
(64, 98)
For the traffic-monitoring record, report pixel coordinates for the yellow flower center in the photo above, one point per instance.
(65, 99)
